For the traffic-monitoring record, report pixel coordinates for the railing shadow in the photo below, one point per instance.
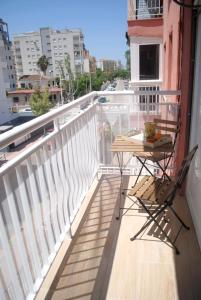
(86, 268)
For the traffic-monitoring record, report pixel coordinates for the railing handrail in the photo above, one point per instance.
(33, 148)
(131, 92)
(16, 133)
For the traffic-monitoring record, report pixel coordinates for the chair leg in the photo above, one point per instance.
(164, 171)
(178, 217)
(153, 219)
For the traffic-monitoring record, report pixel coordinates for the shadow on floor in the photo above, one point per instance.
(86, 268)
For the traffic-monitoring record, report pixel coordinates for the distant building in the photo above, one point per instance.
(54, 44)
(34, 81)
(7, 72)
(20, 98)
(108, 65)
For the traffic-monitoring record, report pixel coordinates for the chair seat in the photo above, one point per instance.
(152, 189)
(153, 156)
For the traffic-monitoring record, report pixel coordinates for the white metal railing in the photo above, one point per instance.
(43, 187)
(126, 112)
(41, 191)
(144, 9)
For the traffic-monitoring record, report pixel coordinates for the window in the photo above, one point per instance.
(64, 39)
(55, 47)
(47, 36)
(28, 55)
(33, 55)
(55, 54)
(149, 62)
(54, 40)
(15, 99)
(64, 46)
(27, 49)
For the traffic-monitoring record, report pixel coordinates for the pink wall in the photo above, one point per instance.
(148, 28)
(171, 43)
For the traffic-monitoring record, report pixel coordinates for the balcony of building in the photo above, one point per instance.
(59, 196)
(144, 9)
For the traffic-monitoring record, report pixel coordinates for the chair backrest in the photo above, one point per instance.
(168, 127)
(183, 171)
(181, 175)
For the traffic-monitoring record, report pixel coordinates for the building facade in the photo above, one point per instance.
(54, 44)
(7, 73)
(108, 65)
(145, 32)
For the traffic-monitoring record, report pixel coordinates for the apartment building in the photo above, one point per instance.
(54, 44)
(7, 72)
(145, 32)
(108, 65)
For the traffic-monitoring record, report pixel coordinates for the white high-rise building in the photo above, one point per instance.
(54, 44)
(7, 73)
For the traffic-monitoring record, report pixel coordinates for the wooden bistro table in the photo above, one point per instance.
(136, 148)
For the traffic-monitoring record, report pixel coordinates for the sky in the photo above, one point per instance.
(103, 22)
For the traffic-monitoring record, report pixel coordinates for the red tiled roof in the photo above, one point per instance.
(35, 77)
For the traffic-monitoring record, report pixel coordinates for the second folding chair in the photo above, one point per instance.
(160, 194)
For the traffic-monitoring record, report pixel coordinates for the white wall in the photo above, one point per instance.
(193, 190)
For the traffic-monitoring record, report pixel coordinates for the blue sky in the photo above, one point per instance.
(103, 22)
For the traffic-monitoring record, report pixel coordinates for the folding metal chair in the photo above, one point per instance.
(161, 193)
(165, 126)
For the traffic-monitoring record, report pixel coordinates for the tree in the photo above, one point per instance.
(43, 63)
(40, 103)
(68, 82)
(127, 56)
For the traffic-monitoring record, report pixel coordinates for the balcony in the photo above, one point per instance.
(58, 199)
(144, 9)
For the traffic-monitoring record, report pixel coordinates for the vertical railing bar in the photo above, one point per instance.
(85, 152)
(87, 141)
(95, 122)
(58, 185)
(73, 169)
(36, 264)
(89, 144)
(37, 205)
(79, 156)
(52, 193)
(13, 273)
(46, 200)
(18, 234)
(69, 200)
(64, 176)
(71, 173)
(59, 145)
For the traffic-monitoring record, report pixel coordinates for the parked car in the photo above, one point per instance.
(102, 99)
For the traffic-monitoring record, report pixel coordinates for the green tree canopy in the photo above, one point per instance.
(43, 63)
(40, 103)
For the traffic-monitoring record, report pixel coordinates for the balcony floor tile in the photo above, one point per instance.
(102, 262)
